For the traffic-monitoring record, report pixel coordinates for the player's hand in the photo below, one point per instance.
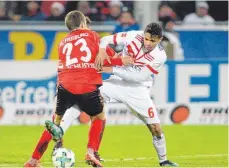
(106, 70)
(100, 59)
(127, 61)
(99, 62)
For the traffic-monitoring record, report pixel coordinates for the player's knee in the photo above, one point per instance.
(96, 113)
(100, 116)
(156, 129)
(60, 113)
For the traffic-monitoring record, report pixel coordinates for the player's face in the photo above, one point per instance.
(150, 41)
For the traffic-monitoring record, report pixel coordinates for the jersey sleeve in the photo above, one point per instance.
(121, 38)
(113, 61)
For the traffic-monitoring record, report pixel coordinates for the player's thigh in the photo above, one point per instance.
(147, 115)
(142, 106)
(111, 92)
(64, 100)
(91, 103)
(74, 109)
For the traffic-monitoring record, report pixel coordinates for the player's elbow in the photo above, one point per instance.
(104, 41)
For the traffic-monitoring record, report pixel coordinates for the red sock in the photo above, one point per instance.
(42, 145)
(96, 134)
(101, 135)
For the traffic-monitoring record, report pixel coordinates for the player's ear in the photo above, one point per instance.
(160, 39)
(83, 26)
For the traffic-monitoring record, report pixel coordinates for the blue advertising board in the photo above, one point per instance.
(42, 44)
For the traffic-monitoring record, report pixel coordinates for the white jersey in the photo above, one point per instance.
(146, 63)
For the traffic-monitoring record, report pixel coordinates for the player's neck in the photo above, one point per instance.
(147, 51)
(76, 29)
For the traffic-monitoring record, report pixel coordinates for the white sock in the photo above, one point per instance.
(70, 115)
(160, 146)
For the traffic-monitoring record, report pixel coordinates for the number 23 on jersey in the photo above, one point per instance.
(73, 51)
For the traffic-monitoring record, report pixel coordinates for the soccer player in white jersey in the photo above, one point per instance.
(130, 84)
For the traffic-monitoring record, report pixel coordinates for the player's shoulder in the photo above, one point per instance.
(159, 52)
(94, 34)
(89, 34)
(62, 42)
(136, 33)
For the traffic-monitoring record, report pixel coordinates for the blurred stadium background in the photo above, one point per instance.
(191, 89)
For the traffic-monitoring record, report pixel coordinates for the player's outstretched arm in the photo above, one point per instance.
(115, 59)
(112, 39)
(137, 73)
(119, 61)
(121, 38)
(102, 55)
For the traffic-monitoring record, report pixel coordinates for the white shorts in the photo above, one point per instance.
(136, 97)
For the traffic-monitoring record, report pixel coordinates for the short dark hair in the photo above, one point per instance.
(73, 19)
(154, 29)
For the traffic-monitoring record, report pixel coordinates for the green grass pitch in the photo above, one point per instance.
(123, 146)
